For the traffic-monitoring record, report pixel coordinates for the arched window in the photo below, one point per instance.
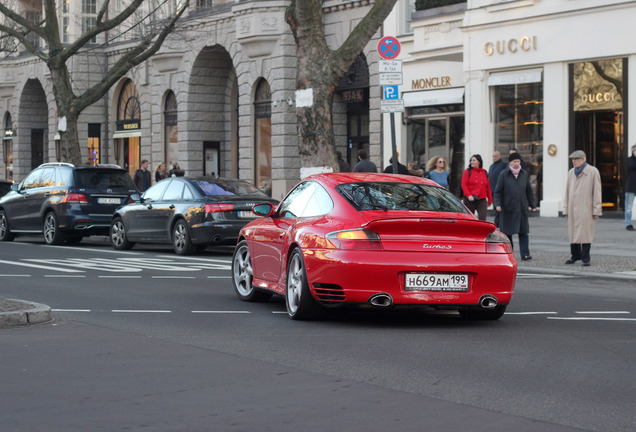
(171, 130)
(263, 137)
(128, 108)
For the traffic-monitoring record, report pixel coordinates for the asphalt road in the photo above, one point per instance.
(146, 340)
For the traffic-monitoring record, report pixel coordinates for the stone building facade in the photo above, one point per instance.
(217, 99)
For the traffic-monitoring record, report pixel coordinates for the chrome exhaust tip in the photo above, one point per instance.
(488, 301)
(381, 300)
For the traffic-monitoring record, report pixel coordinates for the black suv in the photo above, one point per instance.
(65, 202)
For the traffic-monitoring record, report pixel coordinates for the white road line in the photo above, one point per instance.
(591, 319)
(219, 277)
(65, 276)
(531, 313)
(541, 276)
(196, 259)
(23, 264)
(279, 312)
(100, 250)
(221, 312)
(139, 311)
(70, 310)
(14, 275)
(120, 277)
(173, 277)
(601, 312)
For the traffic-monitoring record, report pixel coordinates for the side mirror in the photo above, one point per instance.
(265, 209)
(14, 187)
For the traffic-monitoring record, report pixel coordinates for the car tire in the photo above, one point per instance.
(181, 241)
(242, 274)
(5, 230)
(118, 237)
(478, 314)
(51, 230)
(300, 304)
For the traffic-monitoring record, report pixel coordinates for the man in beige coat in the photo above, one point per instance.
(583, 205)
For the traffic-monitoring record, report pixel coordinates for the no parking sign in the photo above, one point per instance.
(389, 47)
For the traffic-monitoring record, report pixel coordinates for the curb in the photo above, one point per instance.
(28, 313)
(622, 276)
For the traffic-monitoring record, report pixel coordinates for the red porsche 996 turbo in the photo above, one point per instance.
(373, 239)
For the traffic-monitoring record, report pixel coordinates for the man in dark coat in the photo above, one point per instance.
(513, 198)
(142, 176)
(495, 169)
(630, 189)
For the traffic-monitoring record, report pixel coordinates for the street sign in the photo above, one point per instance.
(389, 47)
(393, 78)
(391, 106)
(390, 66)
(391, 92)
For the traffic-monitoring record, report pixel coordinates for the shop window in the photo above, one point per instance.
(519, 125)
(7, 147)
(94, 130)
(263, 137)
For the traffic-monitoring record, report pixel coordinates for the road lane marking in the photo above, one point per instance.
(531, 313)
(24, 264)
(173, 277)
(99, 250)
(119, 277)
(65, 276)
(219, 277)
(71, 310)
(221, 312)
(139, 311)
(14, 275)
(591, 319)
(601, 312)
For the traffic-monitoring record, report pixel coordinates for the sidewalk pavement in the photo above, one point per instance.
(613, 256)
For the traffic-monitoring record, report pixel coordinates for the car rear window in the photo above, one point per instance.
(400, 196)
(213, 188)
(103, 179)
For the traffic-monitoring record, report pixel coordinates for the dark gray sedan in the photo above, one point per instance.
(189, 213)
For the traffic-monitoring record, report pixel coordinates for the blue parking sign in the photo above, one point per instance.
(391, 92)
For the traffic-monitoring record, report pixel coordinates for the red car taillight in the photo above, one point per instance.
(497, 242)
(355, 239)
(215, 208)
(75, 198)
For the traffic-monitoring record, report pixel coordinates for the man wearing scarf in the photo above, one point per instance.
(582, 206)
(513, 198)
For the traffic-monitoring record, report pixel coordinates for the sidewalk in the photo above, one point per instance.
(613, 251)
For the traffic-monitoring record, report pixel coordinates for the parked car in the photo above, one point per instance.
(5, 187)
(377, 240)
(64, 202)
(190, 213)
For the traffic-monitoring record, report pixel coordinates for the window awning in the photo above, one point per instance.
(127, 134)
(434, 97)
(516, 77)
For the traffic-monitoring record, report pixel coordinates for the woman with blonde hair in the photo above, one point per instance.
(436, 170)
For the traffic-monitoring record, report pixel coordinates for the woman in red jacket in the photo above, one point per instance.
(476, 187)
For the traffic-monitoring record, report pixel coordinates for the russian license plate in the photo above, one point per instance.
(246, 215)
(436, 282)
(109, 200)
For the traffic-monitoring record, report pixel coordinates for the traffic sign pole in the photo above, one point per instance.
(391, 76)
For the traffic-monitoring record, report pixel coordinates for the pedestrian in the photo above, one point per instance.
(495, 169)
(142, 176)
(476, 187)
(364, 164)
(582, 206)
(630, 189)
(437, 171)
(161, 172)
(513, 198)
(402, 169)
(343, 166)
(523, 163)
